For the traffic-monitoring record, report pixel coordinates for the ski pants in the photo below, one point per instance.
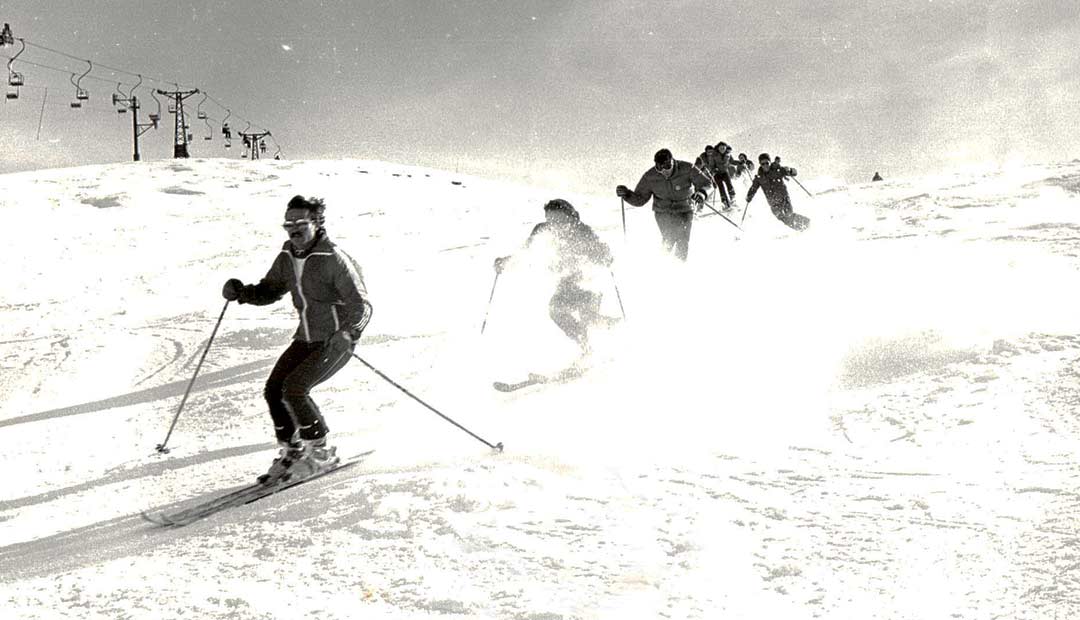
(724, 186)
(574, 310)
(675, 231)
(288, 389)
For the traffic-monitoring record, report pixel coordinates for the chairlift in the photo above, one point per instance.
(15, 79)
(155, 116)
(172, 108)
(262, 146)
(81, 94)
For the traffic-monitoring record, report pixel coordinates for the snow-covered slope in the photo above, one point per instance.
(876, 418)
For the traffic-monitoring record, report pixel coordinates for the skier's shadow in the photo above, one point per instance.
(145, 470)
(228, 376)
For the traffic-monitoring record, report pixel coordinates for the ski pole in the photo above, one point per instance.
(801, 185)
(721, 215)
(161, 446)
(622, 205)
(490, 297)
(617, 295)
(498, 447)
(745, 209)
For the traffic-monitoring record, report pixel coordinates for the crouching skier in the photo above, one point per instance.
(573, 307)
(328, 291)
(770, 178)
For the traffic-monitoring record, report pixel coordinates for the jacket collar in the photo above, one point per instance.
(322, 244)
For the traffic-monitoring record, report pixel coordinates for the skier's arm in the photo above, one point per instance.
(270, 289)
(641, 194)
(349, 284)
(789, 172)
(753, 189)
(701, 181)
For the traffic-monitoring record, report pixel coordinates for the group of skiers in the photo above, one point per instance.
(328, 291)
(679, 189)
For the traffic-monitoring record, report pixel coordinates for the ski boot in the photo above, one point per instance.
(292, 452)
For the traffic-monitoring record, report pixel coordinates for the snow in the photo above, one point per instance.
(873, 419)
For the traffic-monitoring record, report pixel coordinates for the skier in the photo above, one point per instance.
(743, 165)
(770, 178)
(877, 177)
(328, 291)
(722, 169)
(676, 189)
(573, 307)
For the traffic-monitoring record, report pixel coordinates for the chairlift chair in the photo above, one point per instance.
(202, 115)
(15, 79)
(13, 94)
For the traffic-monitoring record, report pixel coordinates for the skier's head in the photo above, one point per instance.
(304, 219)
(559, 210)
(743, 157)
(665, 162)
(764, 159)
(709, 148)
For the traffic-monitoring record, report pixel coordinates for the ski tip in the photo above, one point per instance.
(156, 519)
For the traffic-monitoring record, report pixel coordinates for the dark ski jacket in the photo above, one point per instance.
(576, 246)
(670, 195)
(771, 181)
(327, 290)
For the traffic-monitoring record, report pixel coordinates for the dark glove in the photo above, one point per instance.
(500, 263)
(698, 199)
(792, 172)
(232, 288)
(340, 343)
(622, 191)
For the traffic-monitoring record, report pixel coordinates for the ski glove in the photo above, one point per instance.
(341, 343)
(698, 199)
(232, 289)
(622, 191)
(500, 263)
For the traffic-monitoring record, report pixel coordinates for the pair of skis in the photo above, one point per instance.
(240, 497)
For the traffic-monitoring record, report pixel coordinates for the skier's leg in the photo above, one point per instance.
(683, 223)
(563, 308)
(284, 425)
(726, 180)
(669, 225)
(320, 364)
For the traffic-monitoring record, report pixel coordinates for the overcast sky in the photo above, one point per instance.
(575, 93)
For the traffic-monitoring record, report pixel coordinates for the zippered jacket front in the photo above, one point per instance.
(327, 288)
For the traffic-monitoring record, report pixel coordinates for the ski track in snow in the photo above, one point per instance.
(876, 419)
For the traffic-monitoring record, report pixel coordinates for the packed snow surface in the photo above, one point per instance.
(876, 418)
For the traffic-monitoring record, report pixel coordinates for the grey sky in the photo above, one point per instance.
(580, 93)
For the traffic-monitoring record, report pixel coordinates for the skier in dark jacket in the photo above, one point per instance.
(770, 178)
(676, 189)
(574, 307)
(328, 291)
(723, 167)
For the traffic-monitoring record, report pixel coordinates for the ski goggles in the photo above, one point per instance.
(292, 224)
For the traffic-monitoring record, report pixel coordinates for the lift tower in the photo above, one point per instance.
(180, 144)
(254, 141)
